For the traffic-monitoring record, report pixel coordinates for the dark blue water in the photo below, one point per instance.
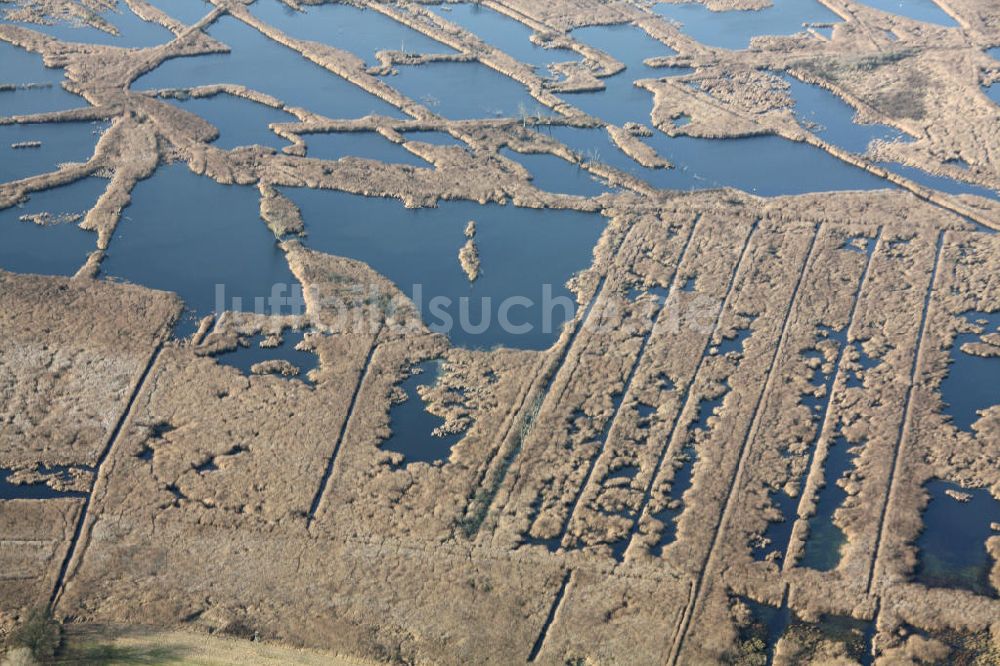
(465, 90)
(266, 66)
(554, 174)
(918, 10)
(57, 249)
(187, 234)
(762, 165)
(240, 121)
(61, 142)
(363, 32)
(413, 426)
(35, 491)
(133, 32)
(971, 384)
(621, 101)
(833, 118)
(822, 547)
(502, 32)
(244, 358)
(186, 11)
(367, 145)
(952, 547)
(521, 251)
(18, 68)
(735, 29)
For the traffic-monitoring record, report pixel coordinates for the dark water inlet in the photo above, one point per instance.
(59, 248)
(413, 426)
(825, 538)
(263, 65)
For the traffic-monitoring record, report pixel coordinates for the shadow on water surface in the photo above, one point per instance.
(413, 426)
(264, 65)
(58, 247)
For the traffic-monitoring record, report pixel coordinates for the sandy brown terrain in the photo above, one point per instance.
(610, 499)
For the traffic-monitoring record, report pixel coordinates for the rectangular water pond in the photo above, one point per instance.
(268, 67)
(363, 32)
(762, 165)
(413, 426)
(31, 149)
(205, 241)
(554, 174)
(132, 31)
(465, 90)
(734, 29)
(502, 32)
(240, 121)
(526, 255)
(42, 235)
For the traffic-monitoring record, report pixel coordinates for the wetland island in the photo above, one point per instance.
(500, 332)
